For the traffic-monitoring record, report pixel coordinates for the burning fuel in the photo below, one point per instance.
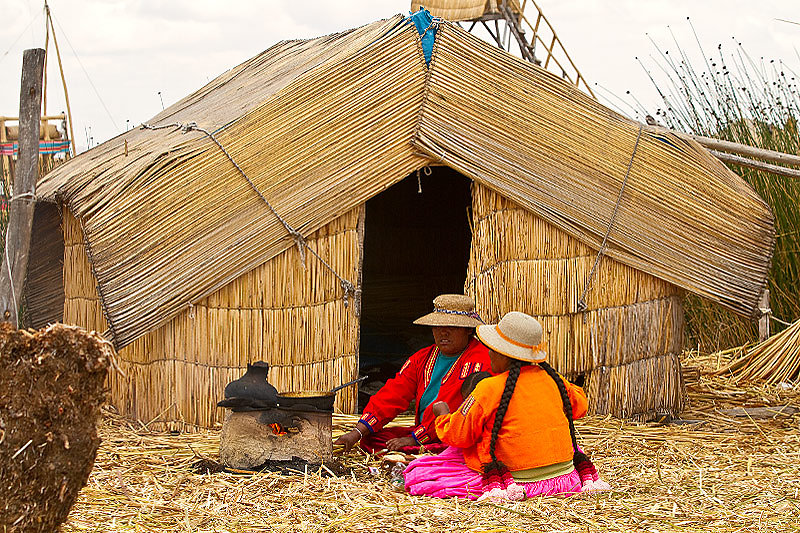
(277, 429)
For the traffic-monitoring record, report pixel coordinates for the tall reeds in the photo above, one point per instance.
(735, 97)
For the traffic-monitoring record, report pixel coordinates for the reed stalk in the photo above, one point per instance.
(735, 97)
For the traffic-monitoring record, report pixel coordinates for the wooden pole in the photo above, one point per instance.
(63, 82)
(715, 145)
(18, 235)
(763, 322)
(745, 150)
(5, 172)
(758, 165)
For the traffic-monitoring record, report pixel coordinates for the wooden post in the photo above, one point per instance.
(763, 322)
(6, 162)
(18, 236)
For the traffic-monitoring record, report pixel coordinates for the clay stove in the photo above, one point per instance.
(263, 427)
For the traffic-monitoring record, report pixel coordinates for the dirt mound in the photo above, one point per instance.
(51, 391)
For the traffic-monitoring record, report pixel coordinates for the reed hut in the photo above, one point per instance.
(304, 206)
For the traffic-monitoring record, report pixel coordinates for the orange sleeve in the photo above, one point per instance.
(463, 428)
(578, 400)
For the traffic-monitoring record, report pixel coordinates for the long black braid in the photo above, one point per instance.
(562, 389)
(511, 382)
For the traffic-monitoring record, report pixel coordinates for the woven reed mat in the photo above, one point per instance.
(713, 471)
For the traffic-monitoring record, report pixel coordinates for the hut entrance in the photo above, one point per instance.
(416, 246)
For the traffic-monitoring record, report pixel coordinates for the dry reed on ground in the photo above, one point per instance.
(719, 473)
(773, 361)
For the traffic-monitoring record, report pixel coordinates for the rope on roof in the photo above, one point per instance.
(347, 286)
(603, 246)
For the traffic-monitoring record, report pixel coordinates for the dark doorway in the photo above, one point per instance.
(416, 246)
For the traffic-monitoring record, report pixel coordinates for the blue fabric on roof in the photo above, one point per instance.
(423, 20)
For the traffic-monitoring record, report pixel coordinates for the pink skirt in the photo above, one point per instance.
(447, 476)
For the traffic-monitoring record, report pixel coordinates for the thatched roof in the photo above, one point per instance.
(322, 125)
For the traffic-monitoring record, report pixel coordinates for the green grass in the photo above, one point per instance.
(755, 102)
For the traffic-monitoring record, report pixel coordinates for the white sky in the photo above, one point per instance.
(127, 51)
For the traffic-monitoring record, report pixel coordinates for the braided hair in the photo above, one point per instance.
(578, 457)
(495, 466)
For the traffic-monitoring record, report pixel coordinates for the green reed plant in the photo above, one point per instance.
(733, 97)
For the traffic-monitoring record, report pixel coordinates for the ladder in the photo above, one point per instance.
(542, 48)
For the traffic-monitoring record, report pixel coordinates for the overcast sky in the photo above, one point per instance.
(119, 54)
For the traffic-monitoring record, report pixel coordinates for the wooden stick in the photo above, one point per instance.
(18, 240)
(763, 322)
(63, 81)
(758, 165)
(742, 149)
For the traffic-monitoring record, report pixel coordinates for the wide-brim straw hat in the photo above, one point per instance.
(456, 310)
(517, 335)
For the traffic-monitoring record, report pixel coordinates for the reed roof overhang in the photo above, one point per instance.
(322, 125)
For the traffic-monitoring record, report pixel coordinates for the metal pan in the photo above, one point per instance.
(316, 400)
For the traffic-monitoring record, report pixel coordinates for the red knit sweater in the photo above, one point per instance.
(412, 380)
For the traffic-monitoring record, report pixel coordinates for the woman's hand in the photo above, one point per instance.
(399, 442)
(440, 408)
(349, 439)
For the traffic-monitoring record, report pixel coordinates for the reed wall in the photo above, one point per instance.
(282, 312)
(626, 342)
(44, 288)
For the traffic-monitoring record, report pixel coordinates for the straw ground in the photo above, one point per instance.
(726, 473)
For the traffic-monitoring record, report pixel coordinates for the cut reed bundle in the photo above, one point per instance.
(683, 216)
(775, 360)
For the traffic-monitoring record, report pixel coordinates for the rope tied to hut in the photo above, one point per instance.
(768, 311)
(582, 301)
(347, 287)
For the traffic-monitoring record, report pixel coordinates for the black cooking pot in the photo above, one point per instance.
(312, 400)
(252, 390)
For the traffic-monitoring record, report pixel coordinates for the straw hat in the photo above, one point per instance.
(517, 335)
(456, 310)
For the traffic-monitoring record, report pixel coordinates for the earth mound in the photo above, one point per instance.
(52, 386)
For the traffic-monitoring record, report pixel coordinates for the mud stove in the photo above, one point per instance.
(265, 427)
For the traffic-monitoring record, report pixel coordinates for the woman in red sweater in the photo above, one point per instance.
(513, 437)
(432, 374)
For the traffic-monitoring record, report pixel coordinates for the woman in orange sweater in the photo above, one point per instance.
(513, 437)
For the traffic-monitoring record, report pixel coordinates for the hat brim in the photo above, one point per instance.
(489, 336)
(445, 320)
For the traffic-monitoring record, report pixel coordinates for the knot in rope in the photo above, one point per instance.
(300, 241)
(348, 289)
(435, 21)
(26, 196)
